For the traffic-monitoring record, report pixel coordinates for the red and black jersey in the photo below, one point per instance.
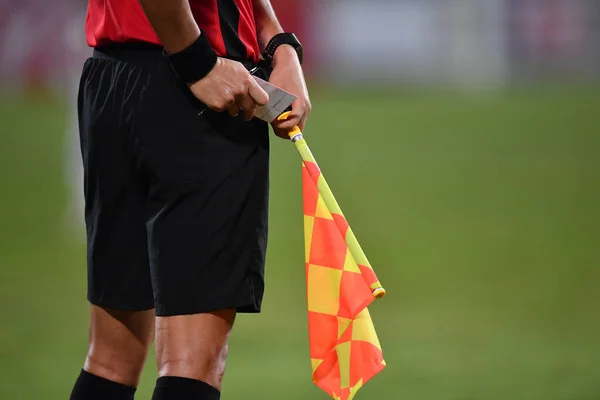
(228, 24)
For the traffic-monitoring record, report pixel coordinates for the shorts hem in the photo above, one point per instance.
(116, 305)
(245, 305)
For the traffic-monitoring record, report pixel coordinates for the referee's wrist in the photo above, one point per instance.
(194, 62)
(284, 54)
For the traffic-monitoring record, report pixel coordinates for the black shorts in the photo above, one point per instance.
(176, 199)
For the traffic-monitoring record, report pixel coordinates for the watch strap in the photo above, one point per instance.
(281, 39)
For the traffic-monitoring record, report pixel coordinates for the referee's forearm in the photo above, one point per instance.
(267, 24)
(173, 22)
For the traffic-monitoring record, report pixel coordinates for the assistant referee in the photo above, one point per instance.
(176, 198)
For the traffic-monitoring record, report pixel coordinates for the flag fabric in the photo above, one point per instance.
(344, 349)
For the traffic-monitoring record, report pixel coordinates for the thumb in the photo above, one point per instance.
(257, 93)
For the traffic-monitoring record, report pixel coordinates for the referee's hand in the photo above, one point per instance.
(288, 75)
(230, 87)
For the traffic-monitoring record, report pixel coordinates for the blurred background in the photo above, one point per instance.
(461, 138)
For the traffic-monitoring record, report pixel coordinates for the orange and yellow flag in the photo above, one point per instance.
(344, 349)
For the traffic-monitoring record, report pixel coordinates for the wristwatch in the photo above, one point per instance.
(278, 40)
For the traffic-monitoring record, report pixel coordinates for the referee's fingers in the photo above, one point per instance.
(288, 124)
(302, 123)
(257, 93)
(234, 110)
(247, 104)
(294, 118)
(249, 114)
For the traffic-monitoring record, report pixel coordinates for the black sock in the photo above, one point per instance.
(92, 387)
(174, 387)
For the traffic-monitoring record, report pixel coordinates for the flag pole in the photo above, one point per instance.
(356, 250)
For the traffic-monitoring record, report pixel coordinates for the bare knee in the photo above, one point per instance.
(194, 346)
(119, 342)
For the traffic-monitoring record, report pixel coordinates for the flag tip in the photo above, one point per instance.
(379, 293)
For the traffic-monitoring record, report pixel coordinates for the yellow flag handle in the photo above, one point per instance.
(357, 252)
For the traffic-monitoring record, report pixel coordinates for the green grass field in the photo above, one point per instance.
(480, 214)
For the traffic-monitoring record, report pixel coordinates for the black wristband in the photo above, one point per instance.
(194, 62)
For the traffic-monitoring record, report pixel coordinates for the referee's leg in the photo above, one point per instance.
(191, 353)
(207, 233)
(119, 281)
(118, 345)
